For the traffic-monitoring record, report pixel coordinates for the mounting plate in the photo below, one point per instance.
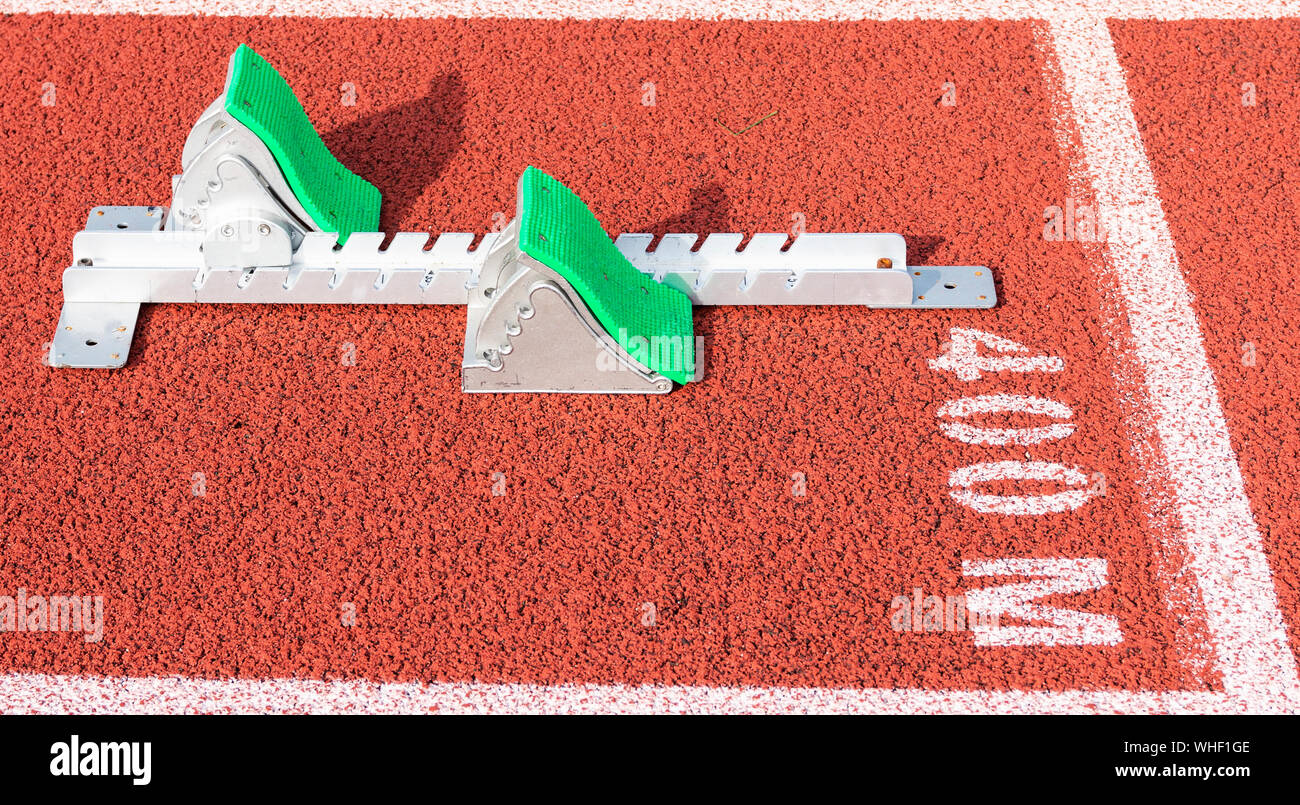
(952, 287)
(97, 335)
(94, 335)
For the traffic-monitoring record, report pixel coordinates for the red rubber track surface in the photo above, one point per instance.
(371, 484)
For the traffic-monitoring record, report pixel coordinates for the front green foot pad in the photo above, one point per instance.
(336, 198)
(647, 318)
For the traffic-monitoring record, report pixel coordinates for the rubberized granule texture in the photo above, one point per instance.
(295, 491)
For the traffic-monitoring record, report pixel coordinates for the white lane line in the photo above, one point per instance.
(884, 10)
(40, 693)
(1221, 539)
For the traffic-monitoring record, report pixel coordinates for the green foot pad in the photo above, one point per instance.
(648, 319)
(336, 198)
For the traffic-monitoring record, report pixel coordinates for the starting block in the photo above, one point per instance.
(263, 213)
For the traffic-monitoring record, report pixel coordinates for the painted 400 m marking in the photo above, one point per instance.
(1042, 625)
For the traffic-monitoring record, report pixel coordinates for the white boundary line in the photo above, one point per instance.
(1217, 528)
(39, 693)
(882, 10)
(1219, 532)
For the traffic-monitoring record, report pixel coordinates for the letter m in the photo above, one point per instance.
(65, 613)
(670, 352)
(115, 756)
(1044, 625)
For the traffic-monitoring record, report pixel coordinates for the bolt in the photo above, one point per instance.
(227, 231)
(85, 261)
(884, 262)
(264, 230)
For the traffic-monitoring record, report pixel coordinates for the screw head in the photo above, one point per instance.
(228, 230)
(264, 230)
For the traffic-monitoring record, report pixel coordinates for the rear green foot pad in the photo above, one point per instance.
(336, 198)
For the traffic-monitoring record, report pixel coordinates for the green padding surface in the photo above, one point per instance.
(336, 198)
(650, 320)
